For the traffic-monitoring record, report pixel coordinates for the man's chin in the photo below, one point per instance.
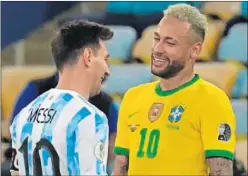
(160, 74)
(157, 71)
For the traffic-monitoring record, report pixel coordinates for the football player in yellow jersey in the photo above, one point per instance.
(181, 124)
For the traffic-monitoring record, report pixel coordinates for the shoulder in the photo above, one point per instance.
(83, 115)
(85, 104)
(211, 93)
(213, 105)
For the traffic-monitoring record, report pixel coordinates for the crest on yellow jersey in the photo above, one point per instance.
(155, 111)
(176, 114)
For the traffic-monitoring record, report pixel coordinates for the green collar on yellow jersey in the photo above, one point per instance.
(170, 92)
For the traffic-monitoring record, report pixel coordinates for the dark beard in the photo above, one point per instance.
(173, 68)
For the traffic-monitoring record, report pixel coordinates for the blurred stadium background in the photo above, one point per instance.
(27, 28)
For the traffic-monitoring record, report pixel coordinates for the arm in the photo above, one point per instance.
(121, 165)
(121, 148)
(106, 104)
(220, 166)
(90, 149)
(218, 135)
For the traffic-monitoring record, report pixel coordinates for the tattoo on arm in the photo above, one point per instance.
(220, 166)
(121, 165)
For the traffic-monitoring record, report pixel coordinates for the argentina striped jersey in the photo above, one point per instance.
(60, 133)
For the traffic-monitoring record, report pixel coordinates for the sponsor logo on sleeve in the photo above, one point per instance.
(224, 132)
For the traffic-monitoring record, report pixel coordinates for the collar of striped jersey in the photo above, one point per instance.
(161, 92)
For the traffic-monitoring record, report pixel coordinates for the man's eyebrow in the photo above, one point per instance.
(155, 33)
(166, 37)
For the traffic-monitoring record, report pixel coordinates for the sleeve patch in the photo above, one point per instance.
(224, 132)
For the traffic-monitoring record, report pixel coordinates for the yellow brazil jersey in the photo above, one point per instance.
(172, 132)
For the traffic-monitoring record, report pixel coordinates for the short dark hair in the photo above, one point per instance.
(73, 37)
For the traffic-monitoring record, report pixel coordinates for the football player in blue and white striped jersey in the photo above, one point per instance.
(60, 132)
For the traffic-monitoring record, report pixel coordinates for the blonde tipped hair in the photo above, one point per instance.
(190, 14)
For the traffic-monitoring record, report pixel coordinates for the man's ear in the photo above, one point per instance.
(196, 50)
(87, 55)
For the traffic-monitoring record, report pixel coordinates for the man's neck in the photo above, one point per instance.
(176, 81)
(69, 82)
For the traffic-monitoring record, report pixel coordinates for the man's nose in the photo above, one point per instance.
(158, 48)
(108, 72)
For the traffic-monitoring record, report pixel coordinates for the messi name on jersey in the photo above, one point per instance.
(42, 115)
